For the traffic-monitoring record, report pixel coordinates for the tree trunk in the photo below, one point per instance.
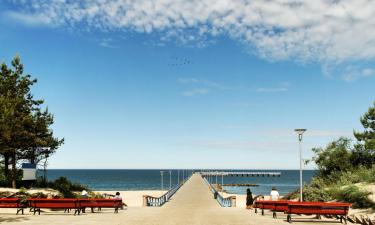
(45, 170)
(14, 171)
(32, 157)
(6, 165)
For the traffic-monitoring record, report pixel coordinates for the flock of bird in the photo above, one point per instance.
(180, 61)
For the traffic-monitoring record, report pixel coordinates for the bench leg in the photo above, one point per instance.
(289, 218)
(116, 209)
(36, 210)
(343, 218)
(256, 210)
(262, 212)
(18, 210)
(274, 214)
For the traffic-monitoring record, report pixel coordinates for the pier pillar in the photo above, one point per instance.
(233, 201)
(145, 201)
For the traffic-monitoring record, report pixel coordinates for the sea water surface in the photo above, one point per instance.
(129, 179)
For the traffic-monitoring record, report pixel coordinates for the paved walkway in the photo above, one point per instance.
(193, 204)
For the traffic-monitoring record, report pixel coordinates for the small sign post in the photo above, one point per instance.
(29, 171)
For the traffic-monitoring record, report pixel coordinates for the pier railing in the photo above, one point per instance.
(224, 202)
(159, 201)
(241, 173)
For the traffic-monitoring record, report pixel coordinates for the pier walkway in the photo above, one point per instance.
(194, 204)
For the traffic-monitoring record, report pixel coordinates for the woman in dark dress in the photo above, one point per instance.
(249, 199)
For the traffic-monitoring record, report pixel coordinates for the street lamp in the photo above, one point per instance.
(178, 176)
(161, 174)
(300, 133)
(170, 179)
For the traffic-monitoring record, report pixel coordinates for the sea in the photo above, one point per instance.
(156, 179)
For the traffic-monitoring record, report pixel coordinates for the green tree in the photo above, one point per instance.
(335, 157)
(364, 153)
(24, 127)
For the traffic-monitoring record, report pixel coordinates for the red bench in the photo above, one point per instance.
(274, 206)
(318, 208)
(12, 203)
(100, 203)
(64, 203)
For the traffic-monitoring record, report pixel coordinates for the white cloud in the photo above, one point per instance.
(266, 146)
(201, 86)
(323, 31)
(268, 90)
(107, 43)
(282, 87)
(203, 82)
(310, 133)
(196, 91)
(28, 19)
(352, 74)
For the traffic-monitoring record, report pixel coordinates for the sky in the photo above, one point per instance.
(194, 84)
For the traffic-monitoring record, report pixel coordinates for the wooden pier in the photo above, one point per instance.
(241, 174)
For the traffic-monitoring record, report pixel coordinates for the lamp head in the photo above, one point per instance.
(300, 131)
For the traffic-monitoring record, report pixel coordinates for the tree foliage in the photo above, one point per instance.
(25, 132)
(364, 153)
(335, 157)
(342, 165)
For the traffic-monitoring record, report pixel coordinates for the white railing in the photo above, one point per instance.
(224, 202)
(159, 201)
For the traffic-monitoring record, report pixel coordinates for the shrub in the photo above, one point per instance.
(353, 194)
(95, 195)
(315, 194)
(66, 187)
(38, 195)
(22, 190)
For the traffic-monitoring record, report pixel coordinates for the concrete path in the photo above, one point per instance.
(193, 204)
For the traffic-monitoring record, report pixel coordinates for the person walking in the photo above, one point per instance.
(249, 199)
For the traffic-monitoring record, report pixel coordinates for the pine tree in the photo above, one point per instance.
(364, 153)
(24, 127)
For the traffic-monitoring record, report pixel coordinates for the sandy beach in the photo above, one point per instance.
(135, 198)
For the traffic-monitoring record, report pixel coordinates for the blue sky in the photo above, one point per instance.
(161, 87)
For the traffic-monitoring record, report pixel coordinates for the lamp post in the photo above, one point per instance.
(178, 176)
(170, 179)
(161, 174)
(300, 133)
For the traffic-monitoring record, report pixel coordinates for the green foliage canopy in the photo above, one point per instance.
(25, 131)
